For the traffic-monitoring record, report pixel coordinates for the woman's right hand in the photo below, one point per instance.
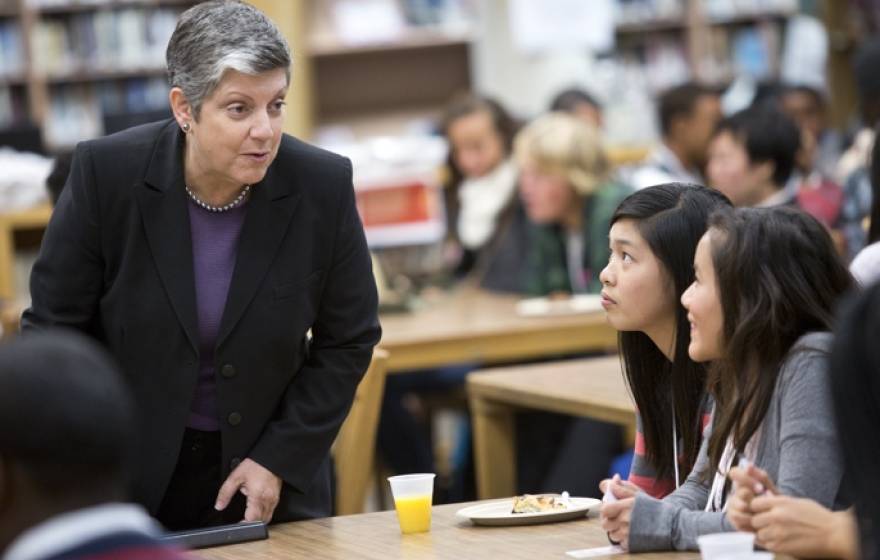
(749, 482)
(803, 528)
(621, 489)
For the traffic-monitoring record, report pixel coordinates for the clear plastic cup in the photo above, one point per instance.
(721, 545)
(413, 494)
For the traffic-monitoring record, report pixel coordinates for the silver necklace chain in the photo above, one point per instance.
(225, 207)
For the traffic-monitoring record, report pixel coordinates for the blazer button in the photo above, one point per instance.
(234, 463)
(228, 371)
(234, 419)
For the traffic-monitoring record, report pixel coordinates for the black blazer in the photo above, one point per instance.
(116, 262)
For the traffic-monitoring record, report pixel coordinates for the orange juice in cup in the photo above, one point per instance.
(413, 494)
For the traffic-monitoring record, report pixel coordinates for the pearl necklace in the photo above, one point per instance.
(223, 208)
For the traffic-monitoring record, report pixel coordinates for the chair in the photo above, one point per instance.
(355, 447)
(9, 317)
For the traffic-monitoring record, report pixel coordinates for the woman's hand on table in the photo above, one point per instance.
(803, 528)
(258, 484)
(615, 520)
(621, 489)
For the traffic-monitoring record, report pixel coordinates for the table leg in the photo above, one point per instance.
(494, 448)
(7, 262)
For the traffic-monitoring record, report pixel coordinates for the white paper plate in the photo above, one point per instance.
(542, 306)
(499, 513)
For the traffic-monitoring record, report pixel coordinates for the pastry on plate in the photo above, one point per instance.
(535, 503)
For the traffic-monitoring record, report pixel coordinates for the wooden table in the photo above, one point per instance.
(33, 219)
(376, 536)
(592, 387)
(476, 326)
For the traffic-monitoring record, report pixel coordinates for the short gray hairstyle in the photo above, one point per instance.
(213, 37)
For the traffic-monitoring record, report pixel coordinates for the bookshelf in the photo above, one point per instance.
(66, 65)
(705, 40)
(422, 64)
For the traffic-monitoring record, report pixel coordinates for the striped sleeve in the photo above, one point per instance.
(643, 474)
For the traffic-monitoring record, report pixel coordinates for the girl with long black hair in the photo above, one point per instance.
(653, 236)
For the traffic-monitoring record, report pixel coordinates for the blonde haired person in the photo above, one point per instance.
(569, 194)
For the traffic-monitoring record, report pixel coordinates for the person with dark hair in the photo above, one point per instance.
(688, 114)
(866, 264)
(767, 282)
(575, 101)
(855, 387)
(752, 155)
(480, 194)
(224, 265)
(808, 107)
(801, 527)
(485, 237)
(853, 170)
(654, 233)
(65, 475)
(811, 181)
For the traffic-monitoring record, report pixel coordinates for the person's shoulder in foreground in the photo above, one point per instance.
(65, 476)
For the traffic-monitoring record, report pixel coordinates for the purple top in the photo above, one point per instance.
(214, 247)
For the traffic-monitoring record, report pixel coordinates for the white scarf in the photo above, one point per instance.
(717, 500)
(481, 201)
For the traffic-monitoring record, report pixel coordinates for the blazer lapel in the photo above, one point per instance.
(162, 201)
(270, 209)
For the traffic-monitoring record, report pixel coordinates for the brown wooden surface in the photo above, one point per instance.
(377, 536)
(475, 326)
(591, 387)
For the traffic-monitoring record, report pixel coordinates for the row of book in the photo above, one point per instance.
(629, 81)
(77, 112)
(11, 51)
(129, 39)
(647, 11)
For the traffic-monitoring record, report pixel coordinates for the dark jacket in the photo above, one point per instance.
(116, 262)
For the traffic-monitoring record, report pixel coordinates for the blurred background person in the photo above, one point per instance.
(865, 267)
(853, 169)
(579, 103)
(687, 114)
(569, 196)
(480, 194)
(751, 157)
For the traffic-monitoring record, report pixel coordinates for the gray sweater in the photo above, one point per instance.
(797, 447)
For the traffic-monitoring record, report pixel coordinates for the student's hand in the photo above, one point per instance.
(615, 520)
(621, 489)
(803, 528)
(258, 484)
(749, 483)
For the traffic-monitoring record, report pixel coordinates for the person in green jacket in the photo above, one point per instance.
(569, 196)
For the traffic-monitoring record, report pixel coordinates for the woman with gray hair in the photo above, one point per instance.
(224, 265)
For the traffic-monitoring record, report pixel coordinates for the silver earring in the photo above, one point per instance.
(185, 127)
